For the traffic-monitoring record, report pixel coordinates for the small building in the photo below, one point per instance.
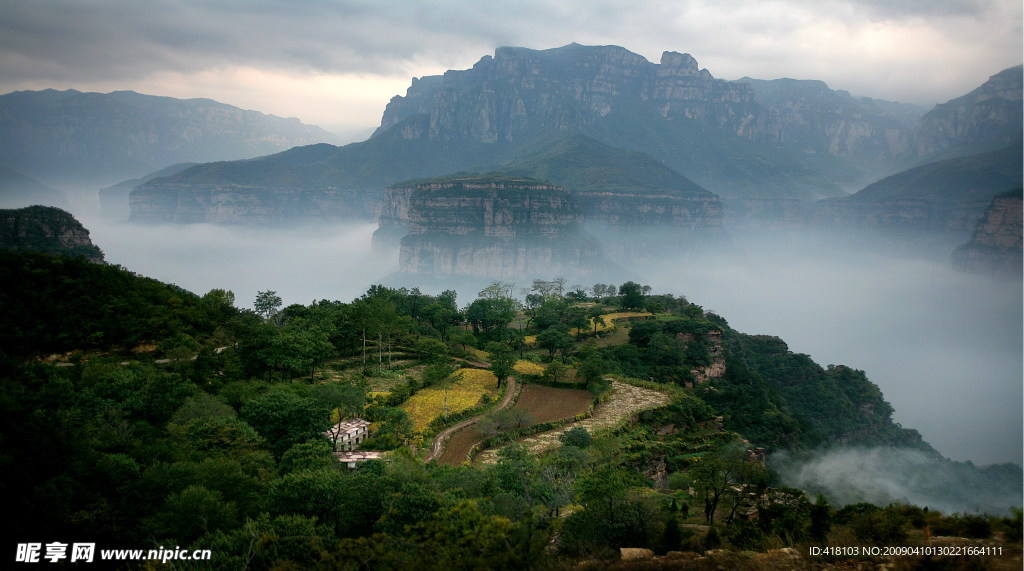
(350, 459)
(348, 434)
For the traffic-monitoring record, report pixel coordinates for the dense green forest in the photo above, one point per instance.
(135, 414)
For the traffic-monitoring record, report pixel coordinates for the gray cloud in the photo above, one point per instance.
(63, 40)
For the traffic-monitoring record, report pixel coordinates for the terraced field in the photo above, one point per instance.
(450, 397)
(544, 404)
(625, 401)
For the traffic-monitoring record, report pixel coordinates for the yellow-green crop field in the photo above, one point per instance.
(609, 321)
(528, 368)
(450, 397)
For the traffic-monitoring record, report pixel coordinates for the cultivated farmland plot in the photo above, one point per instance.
(450, 397)
(542, 403)
(625, 401)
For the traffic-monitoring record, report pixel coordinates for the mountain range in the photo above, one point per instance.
(610, 127)
(75, 139)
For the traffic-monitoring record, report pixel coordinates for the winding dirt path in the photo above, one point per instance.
(437, 445)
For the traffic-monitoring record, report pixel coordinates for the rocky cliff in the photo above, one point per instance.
(824, 124)
(987, 118)
(995, 247)
(170, 202)
(713, 131)
(504, 97)
(621, 194)
(494, 227)
(48, 230)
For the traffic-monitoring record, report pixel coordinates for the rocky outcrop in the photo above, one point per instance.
(47, 230)
(494, 227)
(715, 368)
(995, 248)
(170, 202)
(990, 117)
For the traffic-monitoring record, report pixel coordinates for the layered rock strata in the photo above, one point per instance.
(995, 248)
(494, 227)
(171, 202)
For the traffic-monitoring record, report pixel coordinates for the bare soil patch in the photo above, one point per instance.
(546, 404)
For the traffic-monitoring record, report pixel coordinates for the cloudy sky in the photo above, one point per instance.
(336, 62)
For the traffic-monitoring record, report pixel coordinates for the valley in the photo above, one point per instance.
(585, 306)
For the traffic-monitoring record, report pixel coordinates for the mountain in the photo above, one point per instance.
(632, 203)
(819, 122)
(294, 186)
(594, 120)
(945, 195)
(496, 115)
(995, 247)
(712, 131)
(47, 230)
(78, 139)
(114, 199)
(987, 118)
(18, 190)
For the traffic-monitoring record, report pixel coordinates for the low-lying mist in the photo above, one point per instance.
(885, 475)
(944, 347)
(301, 264)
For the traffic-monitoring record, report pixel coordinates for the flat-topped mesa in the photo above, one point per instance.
(492, 226)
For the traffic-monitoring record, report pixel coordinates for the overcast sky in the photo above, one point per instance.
(336, 63)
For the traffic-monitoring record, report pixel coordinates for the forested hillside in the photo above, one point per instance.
(135, 414)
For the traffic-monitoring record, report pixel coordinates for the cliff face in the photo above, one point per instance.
(817, 121)
(169, 202)
(48, 230)
(505, 96)
(987, 118)
(901, 214)
(500, 228)
(995, 247)
(714, 131)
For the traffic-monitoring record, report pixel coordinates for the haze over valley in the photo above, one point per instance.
(641, 269)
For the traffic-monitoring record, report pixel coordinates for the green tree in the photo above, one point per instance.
(268, 306)
(312, 454)
(284, 418)
(720, 471)
(554, 340)
(490, 313)
(576, 436)
(632, 296)
(502, 361)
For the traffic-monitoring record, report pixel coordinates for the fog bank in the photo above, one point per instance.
(885, 475)
(301, 264)
(944, 347)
